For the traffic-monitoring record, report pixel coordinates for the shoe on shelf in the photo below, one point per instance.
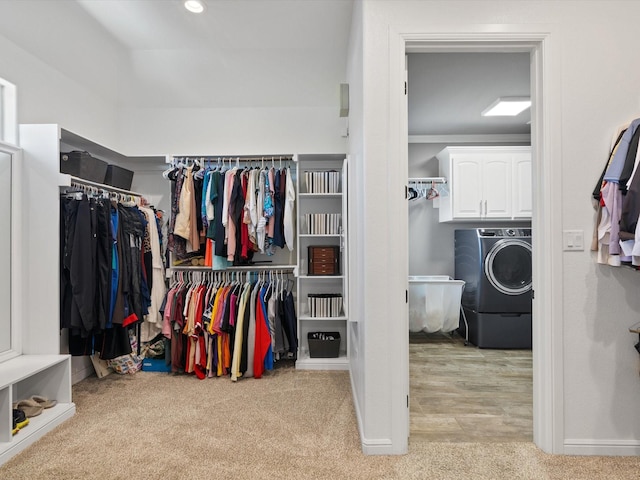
(43, 401)
(31, 408)
(20, 420)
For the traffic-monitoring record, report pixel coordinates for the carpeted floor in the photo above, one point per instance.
(290, 424)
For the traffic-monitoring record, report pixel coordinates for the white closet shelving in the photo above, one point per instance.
(327, 197)
(22, 377)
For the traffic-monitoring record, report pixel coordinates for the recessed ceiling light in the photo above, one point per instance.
(194, 6)
(507, 107)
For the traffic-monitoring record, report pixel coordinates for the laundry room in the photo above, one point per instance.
(469, 208)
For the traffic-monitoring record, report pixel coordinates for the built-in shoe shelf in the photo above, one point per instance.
(20, 378)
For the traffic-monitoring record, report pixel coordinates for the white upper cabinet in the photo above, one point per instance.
(522, 191)
(491, 183)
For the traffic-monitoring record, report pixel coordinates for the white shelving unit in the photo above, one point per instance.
(22, 377)
(314, 202)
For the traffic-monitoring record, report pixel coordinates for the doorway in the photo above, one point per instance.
(546, 244)
(459, 392)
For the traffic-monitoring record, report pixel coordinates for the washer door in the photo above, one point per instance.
(508, 266)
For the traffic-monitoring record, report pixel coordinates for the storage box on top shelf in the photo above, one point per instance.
(119, 177)
(83, 165)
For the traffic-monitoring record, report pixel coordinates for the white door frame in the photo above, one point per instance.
(15, 267)
(539, 40)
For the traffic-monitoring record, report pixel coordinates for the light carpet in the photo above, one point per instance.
(289, 424)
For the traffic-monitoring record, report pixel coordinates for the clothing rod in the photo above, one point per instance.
(101, 186)
(232, 158)
(427, 180)
(247, 268)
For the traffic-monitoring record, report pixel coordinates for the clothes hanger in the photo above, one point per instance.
(432, 193)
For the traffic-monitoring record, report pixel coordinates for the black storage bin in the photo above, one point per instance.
(324, 344)
(83, 165)
(119, 177)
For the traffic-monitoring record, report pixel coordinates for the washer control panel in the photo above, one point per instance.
(504, 232)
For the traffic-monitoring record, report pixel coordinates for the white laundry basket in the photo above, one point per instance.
(434, 303)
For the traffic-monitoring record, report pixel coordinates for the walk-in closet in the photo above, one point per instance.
(251, 252)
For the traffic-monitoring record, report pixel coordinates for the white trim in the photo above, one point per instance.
(602, 447)
(547, 265)
(472, 139)
(378, 446)
(17, 254)
(356, 405)
(81, 370)
(548, 331)
(397, 235)
(8, 112)
(15, 268)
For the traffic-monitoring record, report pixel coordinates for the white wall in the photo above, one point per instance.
(64, 65)
(231, 131)
(357, 245)
(598, 93)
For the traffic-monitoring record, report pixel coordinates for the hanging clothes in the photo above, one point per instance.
(104, 286)
(617, 197)
(155, 276)
(228, 328)
(288, 217)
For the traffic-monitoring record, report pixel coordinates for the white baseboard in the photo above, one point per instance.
(618, 448)
(81, 368)
(378, 446)
(370, 446)
(356, 406)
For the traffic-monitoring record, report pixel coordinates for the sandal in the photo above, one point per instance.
(29, 407)
(44, 401)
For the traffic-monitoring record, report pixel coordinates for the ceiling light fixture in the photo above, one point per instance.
(194, 6)
(507, 107)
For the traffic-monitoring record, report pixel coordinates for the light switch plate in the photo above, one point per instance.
(573, 240)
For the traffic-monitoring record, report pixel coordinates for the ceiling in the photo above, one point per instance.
(250, 54)
(237, 54)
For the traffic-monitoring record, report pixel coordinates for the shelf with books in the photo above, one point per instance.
(322, 258)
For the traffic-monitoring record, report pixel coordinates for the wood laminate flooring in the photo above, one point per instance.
(463, 393)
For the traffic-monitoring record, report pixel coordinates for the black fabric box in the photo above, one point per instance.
(119, 177)
(83, 165)
(324, 344)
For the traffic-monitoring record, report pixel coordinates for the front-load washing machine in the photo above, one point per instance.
(495, 264)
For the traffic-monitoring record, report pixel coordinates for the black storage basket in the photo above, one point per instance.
(119, 177)
(83, 165)
(324, 344)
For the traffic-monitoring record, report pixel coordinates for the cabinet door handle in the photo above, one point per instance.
(485, 208)
(480, 208)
